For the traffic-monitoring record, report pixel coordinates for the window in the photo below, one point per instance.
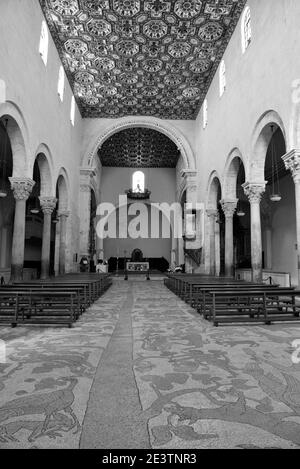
(246, 29)
(222, 77)
(205, 114)
(72, 114)
(61, 83)
(138, 182)
(44, 43)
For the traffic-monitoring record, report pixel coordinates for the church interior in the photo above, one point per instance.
(149, 224)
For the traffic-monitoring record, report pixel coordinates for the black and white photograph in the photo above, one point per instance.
(149, 229)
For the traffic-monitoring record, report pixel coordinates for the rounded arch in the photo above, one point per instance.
(152, 123)
(232, 167)
(62, 187)
(18, 135)
(261, 138)
(213, 188)
(44, 160)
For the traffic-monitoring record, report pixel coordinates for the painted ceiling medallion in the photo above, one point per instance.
(187, 9)
(152, 52)
(104, 63)
(211, 32)
(76, 47)
(155, 29)
(127, 48)
(152, 65)
(191, 92)
(65, 7)
(98, 27)
(179, 49)
(127, 7)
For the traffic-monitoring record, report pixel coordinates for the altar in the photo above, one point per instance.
(137, 266)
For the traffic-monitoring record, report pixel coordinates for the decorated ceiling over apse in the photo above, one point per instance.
(141, 57)
(139, 148)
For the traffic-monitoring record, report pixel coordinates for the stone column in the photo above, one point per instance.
(254, 192)
(229, 208)
(63, 215)
(212, 216)
(21, 188)
(292, 163)
(85, 211)
(48, 204)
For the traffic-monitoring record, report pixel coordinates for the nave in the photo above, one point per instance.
(175, 381)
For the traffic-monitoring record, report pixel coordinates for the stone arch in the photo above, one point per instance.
(214, 183)
(151, 123)
(261, 138)
(18, 135)
(63, 190)
(232, 167)
(44, 160)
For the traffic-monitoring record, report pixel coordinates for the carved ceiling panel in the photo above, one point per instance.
(139, 148)
(141, 57)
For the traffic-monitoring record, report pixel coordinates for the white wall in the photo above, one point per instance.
(162, 184)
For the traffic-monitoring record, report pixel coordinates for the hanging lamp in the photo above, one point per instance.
(275, 195)
(3, 183)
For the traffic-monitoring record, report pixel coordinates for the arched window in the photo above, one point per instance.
(205, 113)
(246, 29)
(61, 83)
(72, 113)
(44, 42)
(222, 77)
(138, 182)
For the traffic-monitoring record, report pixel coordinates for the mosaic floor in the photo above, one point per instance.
(141, 369)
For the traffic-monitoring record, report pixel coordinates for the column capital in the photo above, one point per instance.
(292, 162)
(229, 207)
(212, 213)
(85, 178)
(63, 213)
(48, 204)
(254, 191)
(21, 187)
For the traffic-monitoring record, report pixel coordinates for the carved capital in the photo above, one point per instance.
(229, 207)
(85, 178)
(21, 187)
(254, 191)
(212, 213)
(63, 213)
(48, 204)
(292, 163)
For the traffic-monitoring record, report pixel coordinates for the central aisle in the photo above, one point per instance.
(141, 369)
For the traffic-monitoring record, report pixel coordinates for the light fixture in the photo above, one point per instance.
(275, 195)
(3, 182)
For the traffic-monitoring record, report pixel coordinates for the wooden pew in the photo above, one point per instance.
(260, 306)
(37, 307)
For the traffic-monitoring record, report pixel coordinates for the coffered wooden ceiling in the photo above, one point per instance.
(139, 148)
(141, 57)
